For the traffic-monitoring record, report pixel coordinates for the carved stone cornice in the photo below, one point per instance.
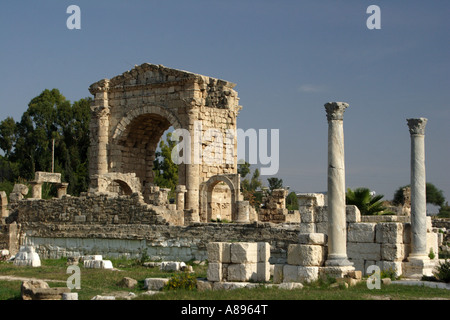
(417, 125)
(99, 112)
(335, 110)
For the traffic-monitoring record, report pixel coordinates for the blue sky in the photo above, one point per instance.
(288, 58)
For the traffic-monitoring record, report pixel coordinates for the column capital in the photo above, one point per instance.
(100, 111)
(335, 110)
(417, 125)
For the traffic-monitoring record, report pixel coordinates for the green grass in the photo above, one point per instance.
(105, 282)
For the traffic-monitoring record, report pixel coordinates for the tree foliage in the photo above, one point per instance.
(367, 203)
(433, 194)
(275, 183)
(292, 201)
(27, 144)
(166, 171)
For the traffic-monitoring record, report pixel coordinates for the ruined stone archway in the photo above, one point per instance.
(206, 195)
(131, 111)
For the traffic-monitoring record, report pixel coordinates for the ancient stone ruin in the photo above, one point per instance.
(124, 214)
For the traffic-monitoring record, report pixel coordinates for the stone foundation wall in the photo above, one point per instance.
(158, 242)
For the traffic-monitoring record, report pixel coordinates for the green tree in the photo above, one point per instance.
(250, 188)
(243, 169)
(433, 194)
(28, 144)
(166, 171)
(292, 201)
(367, 203)
(275, 183)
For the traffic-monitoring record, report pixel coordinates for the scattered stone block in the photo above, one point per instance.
(203, 285)
(40, 290)
(229, 285)
(27, 256)
(155, 284)
(99, 297)
(127, 282)
(27, 287)
(70, 296)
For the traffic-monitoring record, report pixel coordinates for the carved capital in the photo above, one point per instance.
(99, 112)
(417, 126)
(335, 110)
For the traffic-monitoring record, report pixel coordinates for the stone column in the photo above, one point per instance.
(193, 168)
(418, 190)
(99, 128)
(4, 204)
(337, 228)
(180, 191)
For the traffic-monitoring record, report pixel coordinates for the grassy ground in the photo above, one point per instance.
(106, 282)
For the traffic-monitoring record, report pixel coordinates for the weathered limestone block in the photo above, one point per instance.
(219, 252)
(98, 264)
(27, 256)
(242, 252)
(242, 272)
(407, 233)
(361, 232)
(306, 255)
(389, 232)
(278, 273)
(352, 214)
(203, 285)
(312, 238)
(393, 252)
(70, 296)
(214, 272)
(3, 205)
(364, 251)
(40, 176)
(27, 287)
(263, 251)
(300, 274)
(263, 271)
(40, 290)
(308, 227)
(321, 214)
(321, 227)
(229, 285)
(155, 283)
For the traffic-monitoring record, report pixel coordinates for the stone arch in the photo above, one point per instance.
(124, 123)
(128, 182)
(206, 191)
(135, 140)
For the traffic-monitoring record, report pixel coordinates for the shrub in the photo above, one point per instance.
(443, 271)
(431, 255)
(182, 280)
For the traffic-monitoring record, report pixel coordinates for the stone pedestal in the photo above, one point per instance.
(36, 190)
(243, 214)
(337, 234)
(62, 189)
(181, 192)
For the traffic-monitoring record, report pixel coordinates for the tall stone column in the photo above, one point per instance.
(193, 168)
(418, 190)
(337, 232)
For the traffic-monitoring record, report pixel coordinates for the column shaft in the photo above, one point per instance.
(337, 232)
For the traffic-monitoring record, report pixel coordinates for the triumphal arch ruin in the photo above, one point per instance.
(131, 112)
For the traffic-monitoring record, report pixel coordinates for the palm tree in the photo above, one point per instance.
(367, 203)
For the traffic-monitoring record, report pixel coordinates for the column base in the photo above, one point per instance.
(338, 261)
(418, 266)
(336, 271)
